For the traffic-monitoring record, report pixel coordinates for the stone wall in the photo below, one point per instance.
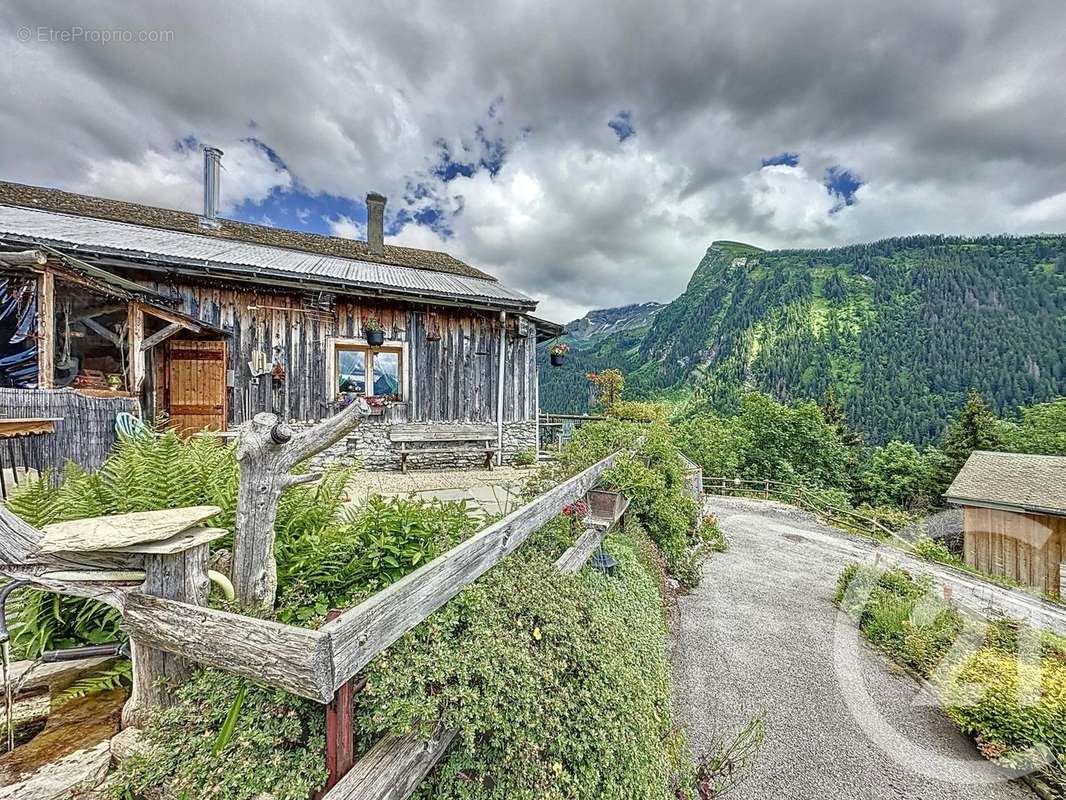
(370, 446)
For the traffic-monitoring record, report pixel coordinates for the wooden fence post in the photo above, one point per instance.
(340, 727)
(156, 673)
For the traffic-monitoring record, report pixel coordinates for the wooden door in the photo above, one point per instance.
(196, 384)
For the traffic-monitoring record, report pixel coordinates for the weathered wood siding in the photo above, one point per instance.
(451, 380)
(1027, 548)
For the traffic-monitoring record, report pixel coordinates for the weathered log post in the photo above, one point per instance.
(266, 453)
(156, 673)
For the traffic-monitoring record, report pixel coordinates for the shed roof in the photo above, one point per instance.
(1018, 481)
(198, 253)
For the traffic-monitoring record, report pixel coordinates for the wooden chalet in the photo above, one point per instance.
(210, 321)
(1014, 507)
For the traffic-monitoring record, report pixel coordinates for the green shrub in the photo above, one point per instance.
(526, 457)
(557, 684)
(277, 745)
(899, 615)
(988, 700)
(144, 474)
(637, 411)
(932, 550)
(983, 690)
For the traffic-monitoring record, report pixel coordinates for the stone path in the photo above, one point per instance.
(492, 492)
(761, 633)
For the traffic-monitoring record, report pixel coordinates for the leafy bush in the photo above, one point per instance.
(1015, 709)
(932, 550)
(636, 411)
(277, 745)
(899, 615)
(526, 457)
(556, 683)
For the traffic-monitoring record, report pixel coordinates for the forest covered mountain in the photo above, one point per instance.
(901, 329)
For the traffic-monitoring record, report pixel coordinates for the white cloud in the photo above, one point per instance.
(952, 113)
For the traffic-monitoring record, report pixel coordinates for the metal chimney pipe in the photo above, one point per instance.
(375, 223)
(212, 164)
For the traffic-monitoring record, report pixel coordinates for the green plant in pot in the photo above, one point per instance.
(374, 331)
(557, 353)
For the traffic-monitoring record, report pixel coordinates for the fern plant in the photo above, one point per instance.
(118, 676)
(147, 473)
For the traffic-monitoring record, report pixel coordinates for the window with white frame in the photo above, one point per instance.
(359, 369)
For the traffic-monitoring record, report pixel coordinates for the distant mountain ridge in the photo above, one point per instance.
(605, 321)
(901, 329)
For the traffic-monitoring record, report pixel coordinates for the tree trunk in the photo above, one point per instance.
(266, 454)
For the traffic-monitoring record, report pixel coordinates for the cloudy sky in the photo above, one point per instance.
(584, 152)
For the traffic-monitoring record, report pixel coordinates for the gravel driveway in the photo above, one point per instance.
(761, 633)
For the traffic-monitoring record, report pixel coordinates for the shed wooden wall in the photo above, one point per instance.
(1028, 548)
(454, 379)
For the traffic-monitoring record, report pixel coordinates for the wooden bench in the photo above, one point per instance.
(454, 439)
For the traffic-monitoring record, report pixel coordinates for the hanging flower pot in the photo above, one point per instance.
(557, 354)
(374, 331)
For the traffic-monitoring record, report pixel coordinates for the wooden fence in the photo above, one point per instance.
(320, 664)
(84, 432)
(805, 498)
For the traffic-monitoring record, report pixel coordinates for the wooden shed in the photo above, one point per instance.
(1014, 508)
(210, 321)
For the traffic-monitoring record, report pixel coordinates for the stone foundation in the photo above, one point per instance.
(370, 446)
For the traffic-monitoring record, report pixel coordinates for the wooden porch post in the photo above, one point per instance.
(46, 334)
(135, 357)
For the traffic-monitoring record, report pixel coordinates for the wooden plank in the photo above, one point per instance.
(193, 354)
(574, 559)
(104, 333)
(361, 633)
(160, 336)
(119, 530)
(24, 258)
(422, 432)
(284, 656)
(46, 333)
(392, 768)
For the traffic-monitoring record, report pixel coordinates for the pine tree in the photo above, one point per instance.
(974, 429)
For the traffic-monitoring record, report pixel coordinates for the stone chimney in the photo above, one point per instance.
(375, 223)
(212, 163)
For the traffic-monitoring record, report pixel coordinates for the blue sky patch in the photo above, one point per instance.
(622, 125)
(842, 183)
(782, 160)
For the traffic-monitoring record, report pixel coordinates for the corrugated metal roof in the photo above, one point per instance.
(244, 260)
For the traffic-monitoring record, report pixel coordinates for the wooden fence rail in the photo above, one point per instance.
(803, 497)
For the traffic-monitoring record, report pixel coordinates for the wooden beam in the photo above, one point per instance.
(98, 311)
(284, 656)
(135, 353)
(160, 336)
(100, 330)
(169, 316)
(392, 768)
(24, 258)
(361, 633)
(46, 330)
(574, 559)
